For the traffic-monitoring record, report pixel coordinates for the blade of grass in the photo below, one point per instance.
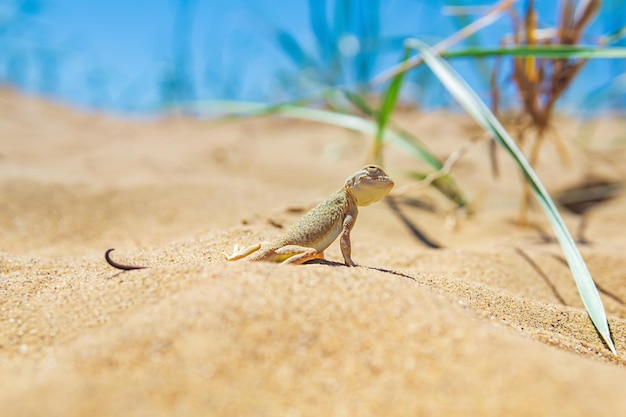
(393, 135)
(614, 37)
(389, 102)
(347, 121)
(542, 51)
(426, 155)
(321, 29)
(470, 101)
(293, 49)
(491, 16)
(445, 184)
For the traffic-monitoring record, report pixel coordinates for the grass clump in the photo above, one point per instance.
(544, 62)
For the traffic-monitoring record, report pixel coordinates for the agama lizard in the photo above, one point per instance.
(312, 234)
(335, 216)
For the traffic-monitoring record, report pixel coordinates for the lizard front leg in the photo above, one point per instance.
(344, 240)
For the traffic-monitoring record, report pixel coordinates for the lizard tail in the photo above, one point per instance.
(114, 264)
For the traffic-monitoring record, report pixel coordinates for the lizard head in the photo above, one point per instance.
(369, 185)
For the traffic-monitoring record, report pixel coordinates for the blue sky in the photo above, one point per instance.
(115, 54)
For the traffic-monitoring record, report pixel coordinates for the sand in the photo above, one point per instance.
(472, 328)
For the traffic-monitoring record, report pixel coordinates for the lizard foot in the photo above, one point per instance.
(239, 253)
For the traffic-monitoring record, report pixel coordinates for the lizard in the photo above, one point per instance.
(316, 230)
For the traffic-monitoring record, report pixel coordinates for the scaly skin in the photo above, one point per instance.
(335, 216)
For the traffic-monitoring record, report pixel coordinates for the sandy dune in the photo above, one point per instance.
(473, 328)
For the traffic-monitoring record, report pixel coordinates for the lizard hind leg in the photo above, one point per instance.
(297, 255)
(239, 253)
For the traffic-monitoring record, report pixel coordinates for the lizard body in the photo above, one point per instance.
(317, 230)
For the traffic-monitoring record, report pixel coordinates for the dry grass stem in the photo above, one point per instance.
(541, 82)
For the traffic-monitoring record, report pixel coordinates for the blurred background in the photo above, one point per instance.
(139, 58)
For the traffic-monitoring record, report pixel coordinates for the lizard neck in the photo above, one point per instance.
(351, 198)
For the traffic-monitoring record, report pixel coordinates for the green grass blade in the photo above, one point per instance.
(545, 51)
(470, 101)
(293, 49)
(614, 37)
(446, 184)
(347, 121)
(395, 137)
(320, 27)
(359, 102)
(420, 147)
(389, 103)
